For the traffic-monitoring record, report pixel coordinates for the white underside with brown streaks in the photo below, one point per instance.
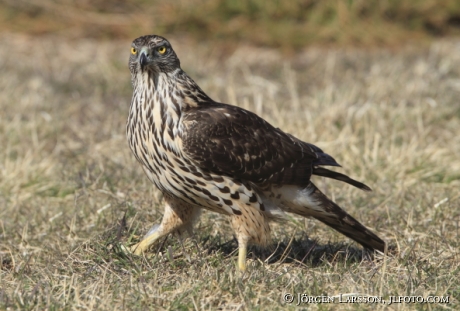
(154, 134)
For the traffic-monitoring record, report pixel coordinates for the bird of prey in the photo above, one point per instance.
(202, 154)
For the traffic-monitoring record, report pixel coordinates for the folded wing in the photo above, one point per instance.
(229, 140)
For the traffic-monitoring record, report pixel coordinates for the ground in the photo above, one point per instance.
(71, 192)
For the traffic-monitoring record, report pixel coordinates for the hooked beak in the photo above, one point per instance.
(143, 58)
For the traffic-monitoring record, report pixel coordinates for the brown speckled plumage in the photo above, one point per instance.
(204, 154)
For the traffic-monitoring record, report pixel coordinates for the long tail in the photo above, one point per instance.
(321, 171)
(326, 211)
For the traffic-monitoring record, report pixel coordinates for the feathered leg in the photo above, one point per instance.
(251, 227)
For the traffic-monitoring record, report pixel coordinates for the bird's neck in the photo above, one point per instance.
(175, 90)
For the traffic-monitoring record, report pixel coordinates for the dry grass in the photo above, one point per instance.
(67, 179)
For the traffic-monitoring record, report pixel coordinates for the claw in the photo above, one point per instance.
(125, 249)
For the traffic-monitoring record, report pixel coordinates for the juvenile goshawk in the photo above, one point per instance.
(204, 154)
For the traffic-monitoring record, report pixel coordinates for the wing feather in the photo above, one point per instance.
(229, 140)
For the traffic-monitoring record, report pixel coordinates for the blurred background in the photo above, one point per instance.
(289, 25)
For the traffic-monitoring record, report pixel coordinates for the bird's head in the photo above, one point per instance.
(152, 53)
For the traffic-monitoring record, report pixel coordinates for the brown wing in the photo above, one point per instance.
(229, 140)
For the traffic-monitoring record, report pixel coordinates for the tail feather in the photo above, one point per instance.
(321, 171)
(312, 202)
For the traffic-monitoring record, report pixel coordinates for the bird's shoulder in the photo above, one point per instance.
(232, 125)
(231, 140)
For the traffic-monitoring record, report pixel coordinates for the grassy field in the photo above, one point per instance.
(290, 25)
(71, 192)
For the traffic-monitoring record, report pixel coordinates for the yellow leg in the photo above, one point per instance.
(178, 217)
(242, 251)
(143, 245)
(251, 227)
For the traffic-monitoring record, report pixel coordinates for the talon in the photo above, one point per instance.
(136, 250)
(131, 250)
(125, 249)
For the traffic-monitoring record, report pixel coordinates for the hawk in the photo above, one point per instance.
(204, 154)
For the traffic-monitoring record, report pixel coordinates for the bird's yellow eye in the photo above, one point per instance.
(133, 51)
(161, 50)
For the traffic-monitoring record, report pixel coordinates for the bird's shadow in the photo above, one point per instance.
(301, 251)
(297, 250)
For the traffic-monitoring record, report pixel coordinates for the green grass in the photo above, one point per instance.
(71, 193)
(291, 25)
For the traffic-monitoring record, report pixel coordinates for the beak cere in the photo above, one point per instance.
(143, 59)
